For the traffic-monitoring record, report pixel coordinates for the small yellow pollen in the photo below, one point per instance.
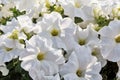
(81, 42)
(79, 73)
(54, 32)
(40, 56)
(117, 38)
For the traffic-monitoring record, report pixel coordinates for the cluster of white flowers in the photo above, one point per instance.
(60, 39)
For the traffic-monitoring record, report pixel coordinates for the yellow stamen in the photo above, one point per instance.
(54, 32)
(94, 53)
(79, 73)
(117, 38)
(40, 56)
(81, 42)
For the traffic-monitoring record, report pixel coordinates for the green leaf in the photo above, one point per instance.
(16, 12)
(15, 71)
(102, 21)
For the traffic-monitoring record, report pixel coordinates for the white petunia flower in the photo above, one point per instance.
(97, 53)
(13, 31)
(81, 66)
(82, 37)
(10, 26)
(54, 28)
(41, 57)
(26, 26)
(10, 47)
(110, 41)
(32, 7)
(78, 8)
(12, 42)
(26, 5)
(87, 37)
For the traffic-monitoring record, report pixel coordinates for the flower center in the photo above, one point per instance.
(79, 73)
(14, 35)
(54, 32)
(81, 41)
(94, 52)
(40, 56)
(8, 49)
(117, 38)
